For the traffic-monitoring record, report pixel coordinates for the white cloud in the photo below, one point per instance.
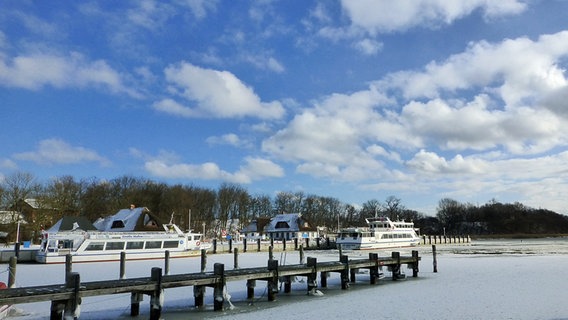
(377, 16)
(37, 70)
(368, 46)
(230, 139)
(57, 151)
(217, 94)
(253, 169)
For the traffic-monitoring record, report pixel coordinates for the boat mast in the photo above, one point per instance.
(189, 221)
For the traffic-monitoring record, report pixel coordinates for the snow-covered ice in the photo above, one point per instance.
(502, 279)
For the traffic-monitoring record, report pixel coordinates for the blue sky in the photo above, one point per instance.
(358, 100)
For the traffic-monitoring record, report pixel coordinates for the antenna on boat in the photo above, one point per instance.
(172, 218)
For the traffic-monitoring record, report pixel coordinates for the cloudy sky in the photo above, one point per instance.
(358, 100)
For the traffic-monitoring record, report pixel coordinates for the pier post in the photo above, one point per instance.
(396, 267)
(135, 298)
(415, 264)
(317, 242)
(122, 265)
(73, 281)
(284, 245)
(272, 242)
(434, 260)
(295, 243)
(236, 258)
(68, 265)
(307, 242)
(203, 260)
(155, 299)
(245, 245)
(270, 253)
(12, 272)
(301, 254)
(374, 270)
(230, 245)
(167, 262)
(258, 245)
(345, 272)
(352, 273)
(214, 246)
(199, 295)
(273, 281)
(312, 277)
(218, 297)
(287, 284)
(250, 289)
(323, 279)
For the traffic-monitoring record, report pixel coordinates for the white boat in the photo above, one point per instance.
(380, 233)
(134, 231)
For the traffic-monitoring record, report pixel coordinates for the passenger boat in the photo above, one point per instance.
(134, 231)
(380, 233)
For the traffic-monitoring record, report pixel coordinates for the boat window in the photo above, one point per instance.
(170, 244)
(131, 245)
(115, 245)
(117, 224)
(95, 246)
(153, 244)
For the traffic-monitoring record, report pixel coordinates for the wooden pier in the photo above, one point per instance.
(66, 298)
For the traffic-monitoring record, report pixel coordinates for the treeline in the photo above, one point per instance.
(496, 218)
(94, 198)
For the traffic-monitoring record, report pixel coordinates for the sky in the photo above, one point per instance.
(356, 100)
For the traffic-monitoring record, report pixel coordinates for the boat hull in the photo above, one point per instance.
(50, 258)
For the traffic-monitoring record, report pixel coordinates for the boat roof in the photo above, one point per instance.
(133, 219)
(72, 223)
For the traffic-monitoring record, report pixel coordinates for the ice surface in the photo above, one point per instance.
(491, 279)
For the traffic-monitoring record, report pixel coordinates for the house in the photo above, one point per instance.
(290, 226)
(255, 230)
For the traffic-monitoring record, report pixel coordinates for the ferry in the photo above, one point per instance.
(134, 231)
(380, 233)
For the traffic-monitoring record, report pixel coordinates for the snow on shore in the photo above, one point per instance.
(485, 280)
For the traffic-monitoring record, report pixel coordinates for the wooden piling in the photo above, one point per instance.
(301, 254)
(434, 259)
(71, 310)
(250, 289)
(203, 260)
(284, 245)
(68, 264)
(272, 283)
(312, 277)
(295, 243)
(230, 245)
(167, 262)
(258, 245)
(199, 295)
(214, 246)
(345, 273)
(155, 299)
(415, 264)
(236, 258)
(122, 274)
(396, 267)
(374, 271)
(218, 296)
(323, 279)
(12, 272)
(135, 298)
(270, 253)
(245, 245)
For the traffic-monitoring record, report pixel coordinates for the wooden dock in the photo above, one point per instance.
(66, 298)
